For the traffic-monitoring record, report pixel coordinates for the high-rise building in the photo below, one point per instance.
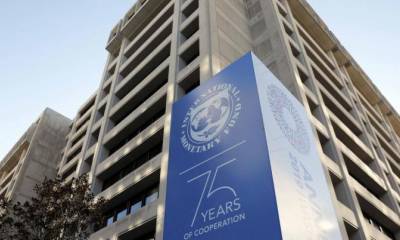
(162, 49)
(34, 157)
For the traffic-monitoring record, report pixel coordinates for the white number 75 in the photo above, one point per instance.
(211, 190)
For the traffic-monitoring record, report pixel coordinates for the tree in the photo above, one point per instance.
(7, 223)
(58, 212)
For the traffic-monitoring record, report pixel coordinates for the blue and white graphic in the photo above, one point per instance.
(210, 116)
(243, 165)
(286, 116)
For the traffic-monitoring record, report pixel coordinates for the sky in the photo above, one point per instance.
(52, 52)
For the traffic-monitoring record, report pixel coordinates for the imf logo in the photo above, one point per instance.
(288, 119)
(211, 116)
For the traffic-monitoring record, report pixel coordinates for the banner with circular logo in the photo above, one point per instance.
(242, 164)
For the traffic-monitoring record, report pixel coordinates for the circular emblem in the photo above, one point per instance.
(210, 117)
(288, 119)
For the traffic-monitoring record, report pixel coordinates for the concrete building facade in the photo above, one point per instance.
(162, 49)
(35, 156)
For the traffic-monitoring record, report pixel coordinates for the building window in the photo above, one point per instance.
(110, 220)
(378, 226)
(135, 207)
(152, 197)
(122, 213)
(133, 165)
(132, 206)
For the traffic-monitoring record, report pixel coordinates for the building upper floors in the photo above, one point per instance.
(34, 156)
(10, 164)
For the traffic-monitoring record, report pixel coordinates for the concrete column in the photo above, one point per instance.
(100, 153)
(172, 95)
(85, 146)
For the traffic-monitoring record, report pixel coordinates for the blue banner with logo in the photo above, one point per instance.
(220, 182)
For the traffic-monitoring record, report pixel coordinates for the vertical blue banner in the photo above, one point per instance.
(223, 180)
(219, 179)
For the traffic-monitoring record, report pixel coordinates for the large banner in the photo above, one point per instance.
(243, 163)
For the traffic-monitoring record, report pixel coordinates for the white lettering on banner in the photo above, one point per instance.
(312, 213)
(215, 226)
(225, 214)
(288, 119)
(211, 189)
(213, 114)
(222, 210)
(207, 120)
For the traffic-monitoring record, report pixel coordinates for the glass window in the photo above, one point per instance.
(151, 198)
(121, 214)
(110, 220)
(135, 207)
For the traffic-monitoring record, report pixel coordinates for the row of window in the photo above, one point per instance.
(69, 172)
(136, 131)
(133, 165)
(378, 226)
(132, 206)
